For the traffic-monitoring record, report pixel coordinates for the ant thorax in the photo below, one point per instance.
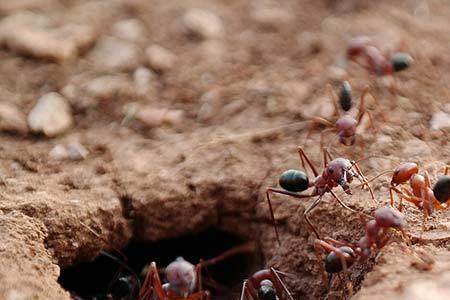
(181, 277)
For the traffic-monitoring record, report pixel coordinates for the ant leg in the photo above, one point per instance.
(362, 110)
(281, 283)
(446, 170)
(244, 291)
(312, 126)
(391, 195)
(338, 243)
(304, 157)
(326, 156)
(248, 247)
(334, 99)
(322, 134)
(152, 283)
(364, 180)
(307, 211)
(318, 249)
(283, 192)
(342, 203)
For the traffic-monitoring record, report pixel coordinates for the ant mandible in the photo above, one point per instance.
(345, 125)
(376, 62)
(184, 280)
(265, 285)
(341, 255)
(337, 172)
(421, 195)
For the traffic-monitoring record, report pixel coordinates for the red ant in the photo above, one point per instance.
(422, 195)
(184, 280)
(265, 285)
(341, 255)
(376, 62)
(337, 172)
(345, 125)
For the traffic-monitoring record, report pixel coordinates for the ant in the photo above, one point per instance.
(341, 255)
(337, 172)
(265, 285)
(184, 280)
(345, 125)
(376, 62)
(422, 195)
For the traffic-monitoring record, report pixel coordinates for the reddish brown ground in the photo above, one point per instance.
(152, 184)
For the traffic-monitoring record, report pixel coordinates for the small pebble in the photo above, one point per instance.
(142, 78)
(155, 117)
(130, 29)
(12, 119)
(203, 23)
(37, 36)
(108, 86)
(160, 58)
(115, 54)
(71, 151)
(271, 18)
(50, 115)
(440, 120)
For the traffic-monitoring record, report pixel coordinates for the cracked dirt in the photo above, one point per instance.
(237, 92)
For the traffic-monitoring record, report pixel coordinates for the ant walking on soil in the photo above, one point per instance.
(337, 172)
(341, 255)
(421, 195)
(375, 61)
(265, 285)
(345, 125)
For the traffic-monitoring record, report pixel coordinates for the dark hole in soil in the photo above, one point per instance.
(223, 280)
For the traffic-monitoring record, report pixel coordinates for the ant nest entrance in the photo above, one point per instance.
(104, 275)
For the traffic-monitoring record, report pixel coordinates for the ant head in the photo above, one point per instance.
(123, 287)
(386, 217)
(404, 172)
(401, 61)
(181, 277)
(441, 189)
(294, 181)
(333, 262)
(345, 96)
(340, 171)
(346, 128)
(266, 291)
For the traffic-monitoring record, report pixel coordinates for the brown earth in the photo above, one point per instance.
(211, 168)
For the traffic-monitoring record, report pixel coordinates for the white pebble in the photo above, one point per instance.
(440, 120)
(115, 54)
(51, 115)
(160, 58)
(130, 29)
(142, 78)
(72, 151)
(203, 23)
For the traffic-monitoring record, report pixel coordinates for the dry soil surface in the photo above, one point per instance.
(215, 103)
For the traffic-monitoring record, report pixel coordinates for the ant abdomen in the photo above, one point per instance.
(404, 172)
(294, 181)
(333, 262)
(401, 61)
(345, 96)
(441, 189)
